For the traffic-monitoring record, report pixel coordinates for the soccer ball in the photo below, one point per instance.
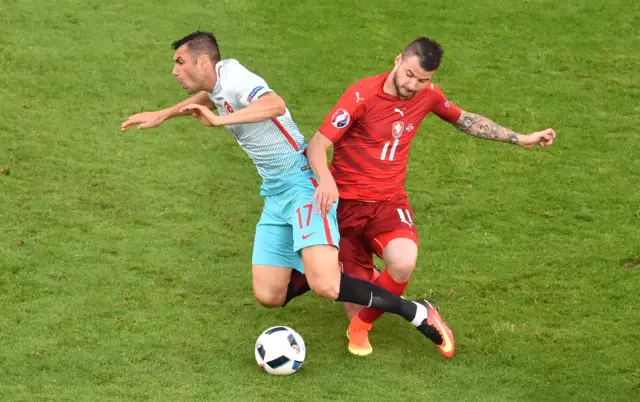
(280, 350)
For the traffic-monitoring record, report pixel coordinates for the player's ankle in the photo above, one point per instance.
(421, 315)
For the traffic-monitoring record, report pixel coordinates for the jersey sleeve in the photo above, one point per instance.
(246, 86)
(213, 102)
(443, 108)
(343, 114)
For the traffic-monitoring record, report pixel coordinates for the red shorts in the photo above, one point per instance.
(367, 227)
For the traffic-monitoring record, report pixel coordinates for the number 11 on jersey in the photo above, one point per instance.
(383, 155)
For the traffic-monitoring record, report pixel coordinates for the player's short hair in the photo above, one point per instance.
(428, 51)
(199, 43)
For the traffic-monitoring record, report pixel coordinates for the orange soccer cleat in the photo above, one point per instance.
(437, 330)
(358, 334)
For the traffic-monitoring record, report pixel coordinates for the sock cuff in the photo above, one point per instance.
(386, 281)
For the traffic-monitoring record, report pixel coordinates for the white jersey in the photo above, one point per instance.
(276, 146)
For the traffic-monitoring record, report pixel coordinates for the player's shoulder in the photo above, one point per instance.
(363, 92)
(234, 69)
(228, 68)
(433, 90)
(231, 74)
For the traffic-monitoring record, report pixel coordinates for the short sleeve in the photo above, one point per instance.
(246, 86)
(343, 114)
(443, 108)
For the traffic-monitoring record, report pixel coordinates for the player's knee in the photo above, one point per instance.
(325, 283)
(325, 287)
(400, 257)
(401, 270)
(270, 298)
(322, 271)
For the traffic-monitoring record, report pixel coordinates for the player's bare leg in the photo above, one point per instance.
(277, 286)
(399, 256)
(321, 269)
(270, 284)
(352, 310)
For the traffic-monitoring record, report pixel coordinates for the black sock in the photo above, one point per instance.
(367, 294)
(298, 285)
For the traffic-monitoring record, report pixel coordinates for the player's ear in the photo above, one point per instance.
(203, 60)
(398, 59)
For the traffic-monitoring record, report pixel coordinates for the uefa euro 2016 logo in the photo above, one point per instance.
(340, 118)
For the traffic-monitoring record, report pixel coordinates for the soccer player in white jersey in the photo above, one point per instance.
(293, 237)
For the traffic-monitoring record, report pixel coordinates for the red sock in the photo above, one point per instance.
(384, 281)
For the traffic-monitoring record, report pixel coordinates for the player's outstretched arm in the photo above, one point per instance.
(327, 192)
(268, 106)
(482, 127)
(154, 119)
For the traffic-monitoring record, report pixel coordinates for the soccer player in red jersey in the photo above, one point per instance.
(370, 129)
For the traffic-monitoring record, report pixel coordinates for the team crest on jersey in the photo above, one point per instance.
(341, 118)
(397, 129)
(228, 107)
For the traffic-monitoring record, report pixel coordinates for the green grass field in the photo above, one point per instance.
(125, 258)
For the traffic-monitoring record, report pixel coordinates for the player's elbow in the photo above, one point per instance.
(312, 147)
(319, 141)
(279, 107)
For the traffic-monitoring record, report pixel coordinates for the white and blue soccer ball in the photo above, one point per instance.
(280, 350)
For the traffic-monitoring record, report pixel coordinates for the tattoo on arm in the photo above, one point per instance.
(480, 126)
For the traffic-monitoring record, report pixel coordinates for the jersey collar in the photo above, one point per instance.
(217, 68)
(382, 93)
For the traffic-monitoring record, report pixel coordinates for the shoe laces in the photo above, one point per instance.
(431, 332)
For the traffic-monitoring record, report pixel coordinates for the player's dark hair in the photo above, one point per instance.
(199, 43)
(428, 51)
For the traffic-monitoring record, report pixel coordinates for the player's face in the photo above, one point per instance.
(409, 77)
(187, 71)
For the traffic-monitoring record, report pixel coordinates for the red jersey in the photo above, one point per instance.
(371, 133)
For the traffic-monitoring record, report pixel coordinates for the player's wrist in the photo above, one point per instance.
(515, 139)
(325, 176)
(166, 114)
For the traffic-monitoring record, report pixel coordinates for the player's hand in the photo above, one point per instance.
(144, 120)
(325, 196)
(543, 138)
(202, 113)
